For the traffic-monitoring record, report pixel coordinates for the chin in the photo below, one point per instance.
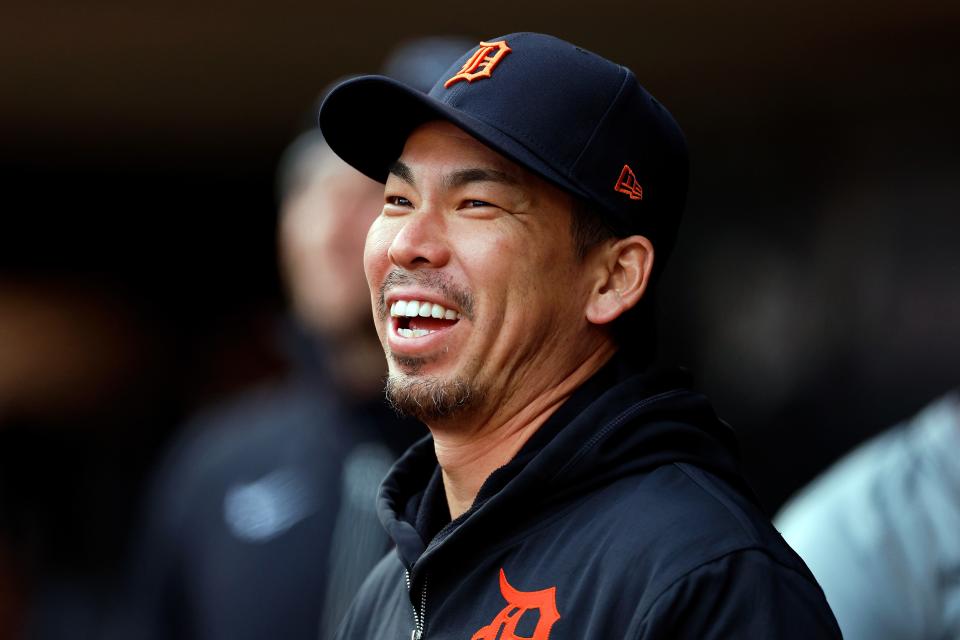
(429, 398)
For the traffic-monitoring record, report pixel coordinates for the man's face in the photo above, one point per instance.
(486, 246)
(322, 231)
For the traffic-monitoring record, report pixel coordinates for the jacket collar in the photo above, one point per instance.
(618, 423)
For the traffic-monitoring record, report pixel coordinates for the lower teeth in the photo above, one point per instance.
(412, 333)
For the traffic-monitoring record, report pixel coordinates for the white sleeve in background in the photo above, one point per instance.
(880, 530)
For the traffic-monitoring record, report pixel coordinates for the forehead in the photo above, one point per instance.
(442, 146)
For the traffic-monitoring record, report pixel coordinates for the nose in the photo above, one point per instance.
(421, 241)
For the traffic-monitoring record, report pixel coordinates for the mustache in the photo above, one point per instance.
(430, 280)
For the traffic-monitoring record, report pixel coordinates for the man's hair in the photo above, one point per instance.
(587, 227)
(635, 332)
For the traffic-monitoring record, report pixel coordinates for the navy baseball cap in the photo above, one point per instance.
(576, 119)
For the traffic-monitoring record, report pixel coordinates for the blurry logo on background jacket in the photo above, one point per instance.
(542, 605)
(263, 509)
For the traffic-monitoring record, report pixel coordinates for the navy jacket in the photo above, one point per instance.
(624, 516)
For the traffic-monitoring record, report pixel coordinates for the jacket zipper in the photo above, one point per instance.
(419, 616)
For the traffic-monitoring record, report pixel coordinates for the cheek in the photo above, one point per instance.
(505, 279)
(544, 289)
(376, 261)
(490, 261)
(531, 267)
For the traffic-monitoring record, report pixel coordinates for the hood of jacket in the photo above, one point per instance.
(621, 422)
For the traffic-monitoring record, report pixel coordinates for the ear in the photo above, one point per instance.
(623, 271)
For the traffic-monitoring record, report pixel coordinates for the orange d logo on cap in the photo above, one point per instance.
(481, 64)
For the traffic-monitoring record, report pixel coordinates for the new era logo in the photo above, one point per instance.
(627, 184)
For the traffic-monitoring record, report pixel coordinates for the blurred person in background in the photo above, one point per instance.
(261, 521)
(881, 530)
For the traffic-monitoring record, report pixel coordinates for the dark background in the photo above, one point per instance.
(814, 291)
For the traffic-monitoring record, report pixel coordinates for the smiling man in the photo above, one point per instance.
(566, 490)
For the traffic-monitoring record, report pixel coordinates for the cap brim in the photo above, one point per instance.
(367, 120)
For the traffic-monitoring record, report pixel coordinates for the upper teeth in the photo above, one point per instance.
(411, 308)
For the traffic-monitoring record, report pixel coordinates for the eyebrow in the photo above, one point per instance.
(402, 171)
(458, 178)
(478, 174)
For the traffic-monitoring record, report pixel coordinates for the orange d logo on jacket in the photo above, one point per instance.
(481, 64)
(518, 603)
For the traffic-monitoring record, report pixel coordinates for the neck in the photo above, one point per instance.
(468, 458)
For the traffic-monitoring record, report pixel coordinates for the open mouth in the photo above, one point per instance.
(416, 318)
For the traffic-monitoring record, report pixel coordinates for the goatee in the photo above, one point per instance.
(429, 399)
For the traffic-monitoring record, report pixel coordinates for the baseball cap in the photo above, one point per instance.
(574, 118)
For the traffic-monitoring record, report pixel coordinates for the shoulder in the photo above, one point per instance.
(701, 519)
(699, 548)
(679, 545)
(253, 418)
(744, 593)
(677, 552)
(871, 487)
(882, 521)
(243, 440)
(887, 495)
(685, 514)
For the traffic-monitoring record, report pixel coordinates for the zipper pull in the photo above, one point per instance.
(415, 634)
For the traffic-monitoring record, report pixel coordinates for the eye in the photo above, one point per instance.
(398, 201)
(479, 209)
